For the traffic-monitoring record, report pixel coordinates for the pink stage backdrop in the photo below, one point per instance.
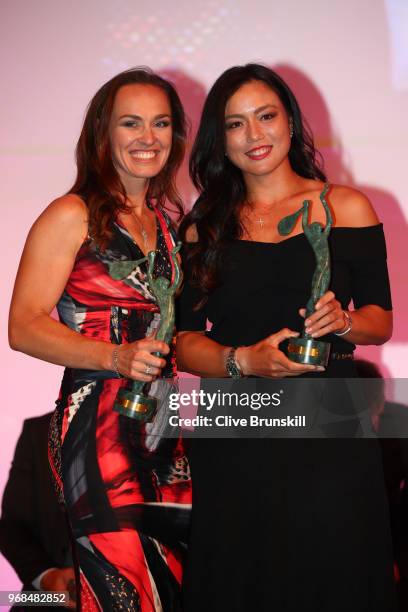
(347, 62)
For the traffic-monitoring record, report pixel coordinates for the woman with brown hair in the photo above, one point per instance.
(126, 487)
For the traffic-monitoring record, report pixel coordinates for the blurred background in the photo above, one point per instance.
(346, 61)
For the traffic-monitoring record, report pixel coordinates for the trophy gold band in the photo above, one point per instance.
(308, 351)
(135, 405)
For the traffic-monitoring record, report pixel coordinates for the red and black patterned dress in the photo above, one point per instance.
(126, 485)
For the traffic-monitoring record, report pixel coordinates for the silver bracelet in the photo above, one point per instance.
(349, 325)
(115, 362)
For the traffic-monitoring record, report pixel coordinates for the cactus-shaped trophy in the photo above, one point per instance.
(133, 399)
(305, 349)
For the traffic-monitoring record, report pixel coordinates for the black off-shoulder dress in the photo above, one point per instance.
(289, 525)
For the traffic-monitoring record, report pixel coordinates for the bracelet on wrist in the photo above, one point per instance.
(115, 362)
(348, 325)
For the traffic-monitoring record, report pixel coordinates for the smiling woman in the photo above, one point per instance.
(140, 143)
(279, 524)
(245, 133)
(126, 489)
(141, 146)
(137, 122)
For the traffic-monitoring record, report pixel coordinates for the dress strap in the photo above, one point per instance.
(170, 243)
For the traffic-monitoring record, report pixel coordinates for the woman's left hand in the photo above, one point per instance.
(328, 317)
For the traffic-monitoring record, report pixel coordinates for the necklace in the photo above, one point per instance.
(143, 232)
(260, 221)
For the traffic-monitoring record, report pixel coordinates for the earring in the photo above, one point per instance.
(291, 127)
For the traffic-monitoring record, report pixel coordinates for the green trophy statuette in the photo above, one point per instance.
(305, 349)
(133, 399)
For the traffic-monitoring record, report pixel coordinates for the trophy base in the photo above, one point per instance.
(309, 351)
(135, 405)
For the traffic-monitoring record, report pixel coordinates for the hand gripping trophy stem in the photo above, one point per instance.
(305, 349)
(132, 400)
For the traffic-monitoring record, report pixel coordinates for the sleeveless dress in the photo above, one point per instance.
(126, 485)
(288, 525)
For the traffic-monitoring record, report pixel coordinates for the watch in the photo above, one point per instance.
(231, 365)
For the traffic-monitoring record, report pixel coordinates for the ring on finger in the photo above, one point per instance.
(148, 370)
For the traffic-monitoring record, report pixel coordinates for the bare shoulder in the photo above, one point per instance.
(67, 216)
(191, 233)
(68, 208)
(351, 207)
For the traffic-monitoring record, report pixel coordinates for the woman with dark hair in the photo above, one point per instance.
(125, 485)
(279, 524)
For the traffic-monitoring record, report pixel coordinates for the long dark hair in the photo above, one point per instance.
(221, 184)
(97, 181)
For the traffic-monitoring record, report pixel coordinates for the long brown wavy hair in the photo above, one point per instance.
(97, 182)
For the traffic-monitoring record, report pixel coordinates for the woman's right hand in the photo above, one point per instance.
(266, 359)
(135, 358)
